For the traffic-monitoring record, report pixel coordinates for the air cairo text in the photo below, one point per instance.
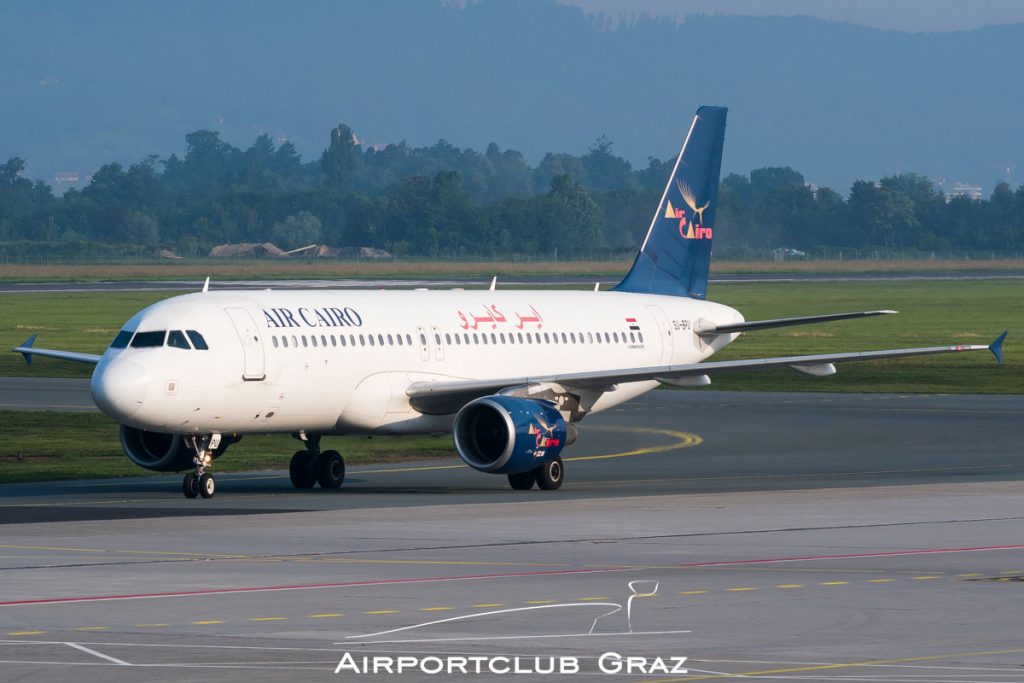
(328, 316)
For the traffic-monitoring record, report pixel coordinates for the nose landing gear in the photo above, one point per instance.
(201, 482)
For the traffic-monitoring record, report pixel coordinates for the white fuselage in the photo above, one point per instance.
(333, 361)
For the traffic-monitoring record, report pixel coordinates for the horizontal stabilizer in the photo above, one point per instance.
(708, 329)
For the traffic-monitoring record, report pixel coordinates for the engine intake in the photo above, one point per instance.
(163, 452)
(508, 435)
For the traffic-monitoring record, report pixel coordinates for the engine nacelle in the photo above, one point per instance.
(163, 452)
(508, 435)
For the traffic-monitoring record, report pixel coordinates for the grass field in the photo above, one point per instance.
(86, 445)
(932, 313)
(240, 270)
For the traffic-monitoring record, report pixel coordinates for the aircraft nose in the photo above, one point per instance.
(119, 388)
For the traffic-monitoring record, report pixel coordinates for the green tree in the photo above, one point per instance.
(342, 160)
(299, 230)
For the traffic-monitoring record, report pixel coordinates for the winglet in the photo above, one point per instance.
(996, 347)
(28, 345)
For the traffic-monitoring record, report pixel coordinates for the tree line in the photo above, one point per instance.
(443, 202)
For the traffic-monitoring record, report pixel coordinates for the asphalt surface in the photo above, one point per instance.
(778, 536)
(478, 282)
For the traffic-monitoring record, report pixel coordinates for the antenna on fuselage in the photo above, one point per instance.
(206, 285)
(597, 286)
(494, 283)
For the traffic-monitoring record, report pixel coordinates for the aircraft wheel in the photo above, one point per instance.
(207, 486)
(522, 481)
(190, 485)
(301, 470)
(550, 474)
(330, 470)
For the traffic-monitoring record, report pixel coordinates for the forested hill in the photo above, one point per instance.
(86, 83)
(443, 201)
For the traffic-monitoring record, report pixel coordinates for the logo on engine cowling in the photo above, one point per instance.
(542, 434)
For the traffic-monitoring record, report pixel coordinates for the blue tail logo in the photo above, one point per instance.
(676, 253)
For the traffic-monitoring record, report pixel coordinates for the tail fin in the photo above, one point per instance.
(676, 253)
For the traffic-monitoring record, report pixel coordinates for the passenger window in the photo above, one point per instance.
(423, 339)
(607, 338)
(502, 337)
(334, 341)
(362, 340)
(341, 338)
(295, 341)
(521, 337)
(458, 339)
(121, 339)
(176, 338)
(312, 339)
(273, 340)
(615, 337)
(305, 342)
(408, 339)
(323, 340)
(380, 340)
(351, 340)
(483, 338)
(572, 337)
(284, 341)
(197, 340)
(640, 336)
(632, 337)
(476, 339)
(144, 340)
(447, 339)
(437, 339)
(369, 338)
(565, 340)
(398, 338)
(494, 338)
(391, 340)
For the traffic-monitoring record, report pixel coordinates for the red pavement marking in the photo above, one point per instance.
(478, 577)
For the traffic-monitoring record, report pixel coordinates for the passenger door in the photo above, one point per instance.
(253, 369)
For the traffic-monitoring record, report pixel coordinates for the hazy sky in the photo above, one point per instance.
(902, 15)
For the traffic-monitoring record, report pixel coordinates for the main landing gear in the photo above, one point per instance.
(201, 482)
(310, 467)
(548, 476)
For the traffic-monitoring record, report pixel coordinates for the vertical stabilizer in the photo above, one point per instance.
(676, 253)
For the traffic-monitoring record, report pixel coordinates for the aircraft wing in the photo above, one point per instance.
(441, 398)
(27, 350)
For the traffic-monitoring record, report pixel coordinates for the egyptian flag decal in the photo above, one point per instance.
(632, 324)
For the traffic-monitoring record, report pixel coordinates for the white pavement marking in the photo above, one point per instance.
(94, 653)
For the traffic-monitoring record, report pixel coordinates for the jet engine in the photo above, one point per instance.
(508, 435)
(162, 452)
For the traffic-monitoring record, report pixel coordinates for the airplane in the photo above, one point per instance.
(509, 373)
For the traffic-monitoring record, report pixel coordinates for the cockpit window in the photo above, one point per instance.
(197, 340)
(176, 338)
(121, 340)
(145, 340)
